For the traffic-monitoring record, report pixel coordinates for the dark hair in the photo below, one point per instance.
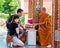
(14, 17)
(19, 10)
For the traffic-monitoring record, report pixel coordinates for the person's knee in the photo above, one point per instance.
(22, 44)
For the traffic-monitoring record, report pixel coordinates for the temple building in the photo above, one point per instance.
(32, 8)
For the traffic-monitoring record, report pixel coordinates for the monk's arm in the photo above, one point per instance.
(41, 23)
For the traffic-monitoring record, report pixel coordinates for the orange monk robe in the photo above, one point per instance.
(45, 30)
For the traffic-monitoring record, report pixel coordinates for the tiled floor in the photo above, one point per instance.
(3, 42)
(30, 47)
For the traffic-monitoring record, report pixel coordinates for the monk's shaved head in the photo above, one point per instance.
(43, 10)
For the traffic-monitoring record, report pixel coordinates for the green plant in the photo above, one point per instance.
(22, 19)
(8, 6)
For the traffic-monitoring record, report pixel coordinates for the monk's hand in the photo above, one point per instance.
(35, 24)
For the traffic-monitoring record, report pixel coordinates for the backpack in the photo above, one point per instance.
(9, 21)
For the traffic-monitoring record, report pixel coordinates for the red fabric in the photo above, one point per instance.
(30, 21)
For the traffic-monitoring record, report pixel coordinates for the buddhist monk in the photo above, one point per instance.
(45, 28)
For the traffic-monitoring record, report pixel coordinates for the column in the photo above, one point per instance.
(54, 22)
